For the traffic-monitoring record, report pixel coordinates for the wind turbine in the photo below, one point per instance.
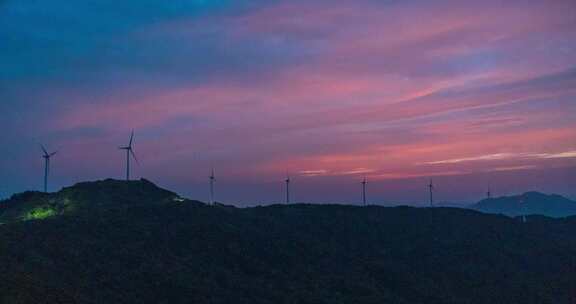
(488, 193)
(287, 181)
(364, 182)
(523, 208)
(431, 187)
(129, 151)
(46, 157)
(212, 180)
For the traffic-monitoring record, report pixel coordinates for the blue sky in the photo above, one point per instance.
(467, 93)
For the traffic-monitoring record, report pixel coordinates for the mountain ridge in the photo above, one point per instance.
(528, 203)
(97, 195)
(172, 250)
(83, 197)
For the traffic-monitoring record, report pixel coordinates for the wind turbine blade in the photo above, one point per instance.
(53, 153)
(44, 150)
(131, 138)
(134, 156)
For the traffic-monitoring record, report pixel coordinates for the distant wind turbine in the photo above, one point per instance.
(488, 193)
(431, 187)
(287, 188)
(129, 151)
(364, 182)
(523, 208)
(212, 180)
(46, 157)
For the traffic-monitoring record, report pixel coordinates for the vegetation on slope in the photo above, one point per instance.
(83, 198)
(187, 252)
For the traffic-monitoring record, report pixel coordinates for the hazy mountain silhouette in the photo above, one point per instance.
(528, 203)
(132, 242)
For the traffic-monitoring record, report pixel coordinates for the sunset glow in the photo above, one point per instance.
(329, 91)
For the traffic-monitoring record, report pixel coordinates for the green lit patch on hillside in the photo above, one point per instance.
(39, 213)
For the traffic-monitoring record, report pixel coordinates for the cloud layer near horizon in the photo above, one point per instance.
(323, 89)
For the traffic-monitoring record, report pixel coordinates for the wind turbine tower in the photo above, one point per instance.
(523, 208)
(212, 181)
(46, 157)
(287, 189)
(431, 187)
(129, 152)
(364, 182)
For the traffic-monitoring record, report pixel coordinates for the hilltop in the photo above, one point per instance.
(132, 242)
(528, 203)
(84, 197)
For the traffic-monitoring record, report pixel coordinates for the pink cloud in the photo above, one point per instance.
(373, 97)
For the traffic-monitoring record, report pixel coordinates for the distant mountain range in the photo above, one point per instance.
(133, 242)
(527, 204)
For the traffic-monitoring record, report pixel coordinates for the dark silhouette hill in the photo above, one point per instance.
(131, 242)
(83, 197)
(528, 203)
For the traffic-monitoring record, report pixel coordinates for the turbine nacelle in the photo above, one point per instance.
(46, 154)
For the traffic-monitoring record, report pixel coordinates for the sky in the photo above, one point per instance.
(471, 94)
